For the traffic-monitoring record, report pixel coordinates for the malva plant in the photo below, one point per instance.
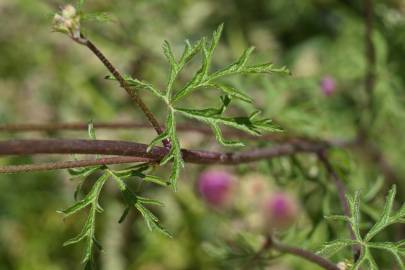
(279, 209)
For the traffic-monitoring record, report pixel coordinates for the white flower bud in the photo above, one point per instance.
(342, 266)
(59, 24)
(67, 22)
(68, 12)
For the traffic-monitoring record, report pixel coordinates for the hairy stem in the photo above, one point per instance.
(117, 75)
(123, 148)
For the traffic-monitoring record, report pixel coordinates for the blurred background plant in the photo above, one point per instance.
(46, 79)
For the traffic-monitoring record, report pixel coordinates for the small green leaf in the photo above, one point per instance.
(88, 230)
(265, 68)
(144, 200)
(82, 235)
(254, 127)
(360, 260)
(175, 150)
(393, 248)
(384, 219)
(139, 85)
(198, 79)
(142, 85)
(97, 244)
(91, 131)
(338, 218)
(176, 156)
(121, 183)
(83, 172)
(136, 201)
(152, 222)
(124, 214)
(216, 36)
(174, 67)
(354, 204)
(177, 166)
(221, 140)
(164, 135)
(240, 67)
(235, 67)
(167, 50)
(135, 170)
(88, 199)
(78, 190)
(374, 189)
(90, 266)
(189, 52)
(156, 180)
(370, 260)
(231, 91)
(331, 248)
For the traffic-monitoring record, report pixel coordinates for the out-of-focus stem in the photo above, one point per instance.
(272, 243)
(342, 191)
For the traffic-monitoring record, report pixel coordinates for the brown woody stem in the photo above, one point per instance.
(70, 164)
(302, 253)
(123, 148)
(133, 94)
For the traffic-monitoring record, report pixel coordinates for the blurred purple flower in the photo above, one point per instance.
(215, 187)
(280, 210)
(328, 85)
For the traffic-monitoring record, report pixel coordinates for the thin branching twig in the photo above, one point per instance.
(71, 164)
(131, 92)
(123, 148)
(272, 243)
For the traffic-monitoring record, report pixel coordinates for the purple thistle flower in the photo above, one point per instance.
(328, 85)
(280, 210)
(215, 187)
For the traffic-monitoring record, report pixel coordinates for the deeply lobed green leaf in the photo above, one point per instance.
(386, 218)
(88, 230)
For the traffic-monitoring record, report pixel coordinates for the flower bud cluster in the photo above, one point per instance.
(67, 22)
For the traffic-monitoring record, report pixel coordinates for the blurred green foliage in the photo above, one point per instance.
(44, 77)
